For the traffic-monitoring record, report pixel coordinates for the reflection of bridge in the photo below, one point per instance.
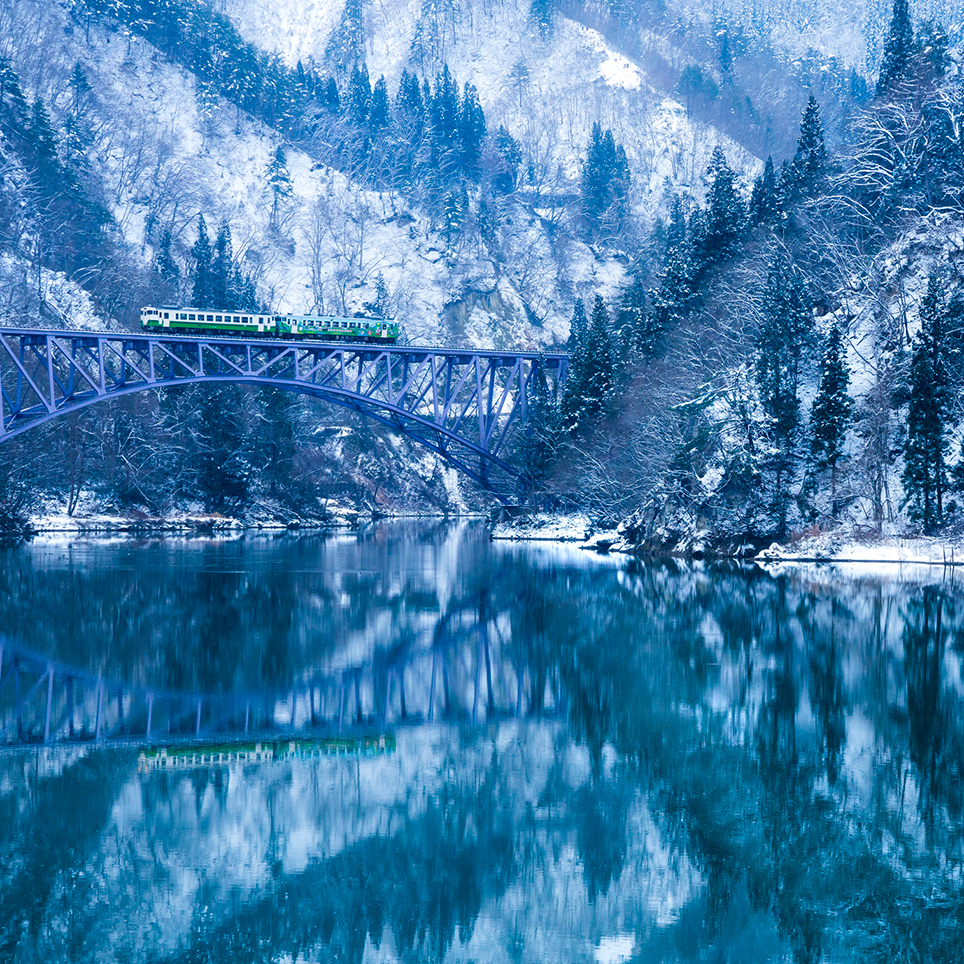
(468, 679)
(461, 404)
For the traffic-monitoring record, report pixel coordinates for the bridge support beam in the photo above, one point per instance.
(463, 405)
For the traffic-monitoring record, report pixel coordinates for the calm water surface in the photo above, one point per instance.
(576, 759)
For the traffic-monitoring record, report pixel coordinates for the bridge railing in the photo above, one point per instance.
(462, 404)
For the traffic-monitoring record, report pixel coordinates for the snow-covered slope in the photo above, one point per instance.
(168, 151)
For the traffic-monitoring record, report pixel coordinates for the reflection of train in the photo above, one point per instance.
(205, 321)
(189, 756)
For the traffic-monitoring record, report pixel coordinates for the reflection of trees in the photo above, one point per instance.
(426, 885)
(47, 833)
(728, 698)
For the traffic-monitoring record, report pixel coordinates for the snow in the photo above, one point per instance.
(919, 559)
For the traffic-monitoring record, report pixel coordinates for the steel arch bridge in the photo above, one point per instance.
(462, 404)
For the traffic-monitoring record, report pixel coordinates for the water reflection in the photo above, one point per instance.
(748, 768)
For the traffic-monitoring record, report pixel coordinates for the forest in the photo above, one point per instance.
(769, 347)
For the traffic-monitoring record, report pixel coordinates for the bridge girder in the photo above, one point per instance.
(461, 404)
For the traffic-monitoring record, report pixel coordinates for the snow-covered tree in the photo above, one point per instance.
(605, 180)
(925, 450)
(898, 48)
(726, 212)
(832, 411)
(279, 184)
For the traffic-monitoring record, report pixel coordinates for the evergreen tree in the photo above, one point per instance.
(676, 229)
(925, 450)
(726, 212)
(80, 86)
(471, 129)
(359, 94)
(510, 157)
(165, 264)
(202, 292)
(786, 331)
(605, 180)
(898, 48)
(13, 104)
(540, 433)
(41, 143)
(445, 113)
(764, 201)
(726, 56)
(330, 98)
(578, 329)
(222, 273)
(456, 202)
(279, 184)
(378, 117)
(832, 412)
(810, 161)
(347, 42)
(638, 329)
(600, 360)
(540, 14)
(592, 366)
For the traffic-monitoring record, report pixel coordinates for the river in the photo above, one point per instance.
(544, 755)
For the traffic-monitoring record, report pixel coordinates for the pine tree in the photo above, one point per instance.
(600, 360)
(810, 161)
(592, 366)
(540, 14)
(222, 295)
(41, 143)
(832, 412)
(726, 212)
(764, 201)
(578, 328)
(925, 450)
(786, 331)
(471, 130)
(165, 264)
(13, 104)
(201, 293)
(540, 434)
(510, 157)
(80, 86)
(378, 116)
(605, 180)
(898, 49)
(359, 94)
(279, 184)
(638, 329)
(347, 42)
(573, 396)
(330, 98)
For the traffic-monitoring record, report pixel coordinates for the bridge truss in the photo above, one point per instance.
(470, 679)
(463, 405)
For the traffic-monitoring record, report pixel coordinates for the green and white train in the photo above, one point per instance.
(210, 321)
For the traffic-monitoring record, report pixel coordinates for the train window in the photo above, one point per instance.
(217, 318)
(166, 315)
(191, 318)
(210, 317)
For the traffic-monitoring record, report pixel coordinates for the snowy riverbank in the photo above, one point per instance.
(860, 553)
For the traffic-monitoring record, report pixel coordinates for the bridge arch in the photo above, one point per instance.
(462, 404)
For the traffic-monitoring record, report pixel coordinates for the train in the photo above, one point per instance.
(190, 755)
(207, 321)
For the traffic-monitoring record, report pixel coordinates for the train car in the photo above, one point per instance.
(205, 321)
(191, 755)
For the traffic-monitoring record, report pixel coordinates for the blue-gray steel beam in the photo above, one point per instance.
(466, 415)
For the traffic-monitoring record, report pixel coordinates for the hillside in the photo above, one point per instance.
(478, 171)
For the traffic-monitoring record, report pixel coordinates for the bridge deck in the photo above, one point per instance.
(464, 404)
